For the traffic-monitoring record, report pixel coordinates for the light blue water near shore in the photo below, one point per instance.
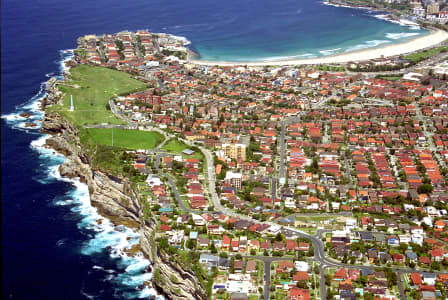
(277, 30)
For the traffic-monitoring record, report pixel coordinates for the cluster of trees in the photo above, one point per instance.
(179, 54)
(120, 48)
(253, 147)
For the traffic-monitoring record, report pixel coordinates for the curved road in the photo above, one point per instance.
(319, 252)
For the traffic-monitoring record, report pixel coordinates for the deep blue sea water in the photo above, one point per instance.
(52, 247)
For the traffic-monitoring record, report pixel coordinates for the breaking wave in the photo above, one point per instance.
(131, 271)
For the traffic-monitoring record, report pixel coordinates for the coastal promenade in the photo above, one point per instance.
(432, 39)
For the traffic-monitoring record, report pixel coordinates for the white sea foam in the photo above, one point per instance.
(401, 35)
(33, 106)
(382, 17)
(95, 267)
(138, 266)
(368, 44)
(51, 160)
(87, 295)
(64, 202)
(105, 234)
(329, 52)
(402, 22)
(66, 56)
(280, 58)
(61, 242)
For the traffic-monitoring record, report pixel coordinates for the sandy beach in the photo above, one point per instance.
(429, 40)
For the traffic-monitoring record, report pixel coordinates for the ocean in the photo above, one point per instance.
(52, 244)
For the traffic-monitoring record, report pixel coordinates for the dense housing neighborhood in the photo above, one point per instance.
(292, 182)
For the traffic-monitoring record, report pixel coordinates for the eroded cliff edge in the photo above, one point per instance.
(115, 199)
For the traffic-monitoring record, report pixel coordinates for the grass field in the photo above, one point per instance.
(391, 78)
(92, 87)
(124, 138)
(314, 219)
(176, 146)
(419, 56)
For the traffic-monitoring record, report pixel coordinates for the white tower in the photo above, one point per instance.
(72, 107)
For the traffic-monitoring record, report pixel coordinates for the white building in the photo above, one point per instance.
(153, 180)
(274, 229)
(301, 266)
(290, 203)
(198, 220)
(350, 224)
(235, 179)
(411, 76)
(417, 238)
(404, 238)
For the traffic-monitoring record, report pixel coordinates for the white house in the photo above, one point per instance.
(404, 238)
(417, 238)
(198, 220)
(350, 224)
(274, 229)
(301, 266)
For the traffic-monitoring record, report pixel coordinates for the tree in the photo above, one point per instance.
(232, 265)
(279, 237)
(213, 248)
(435, 265)
(425, 189)
(191, 244)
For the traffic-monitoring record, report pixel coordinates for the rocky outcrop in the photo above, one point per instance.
(115, 199)
(52, 93)
(170, 278)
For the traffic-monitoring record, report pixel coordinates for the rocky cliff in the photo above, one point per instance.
(115, 199)
(52, 94)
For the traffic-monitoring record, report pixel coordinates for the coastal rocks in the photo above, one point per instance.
(170, 279)
(30, 125)
(53, 123)
(109, 197)
(115, 199)
(52, 93)
(26, 115)
(71, 63)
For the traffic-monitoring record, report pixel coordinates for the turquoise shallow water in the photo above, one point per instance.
(274, 30)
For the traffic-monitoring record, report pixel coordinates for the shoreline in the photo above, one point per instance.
(434, 38)
(116, 243)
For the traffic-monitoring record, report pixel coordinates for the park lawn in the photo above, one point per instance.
(313, 218)
(176, 146)
(97, 85)
(125, 138)
(391, 78)
(419, 56)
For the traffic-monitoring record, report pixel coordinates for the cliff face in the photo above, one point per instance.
(114, 199)
(52, 93)
(173, 280)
